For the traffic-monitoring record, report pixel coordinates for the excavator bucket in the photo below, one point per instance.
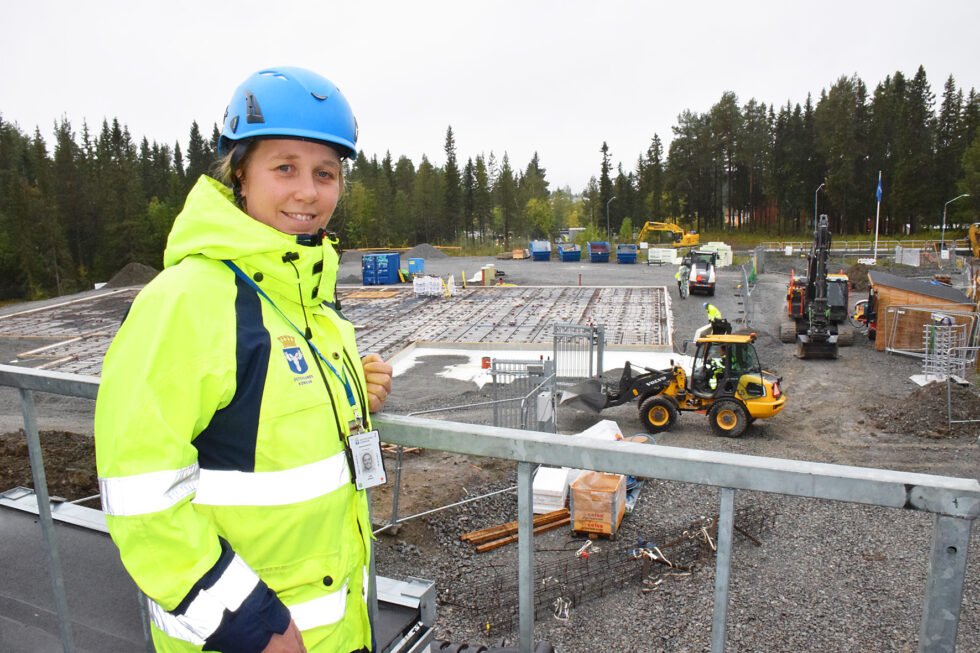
(587, 395)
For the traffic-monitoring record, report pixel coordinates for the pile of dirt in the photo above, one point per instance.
(133, 274)
(425, 250)
(924, 412)
(69, 463)
(858, 276)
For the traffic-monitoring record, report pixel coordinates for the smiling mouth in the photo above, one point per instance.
(301, 217)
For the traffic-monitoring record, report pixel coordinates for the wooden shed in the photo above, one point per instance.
(923, 299)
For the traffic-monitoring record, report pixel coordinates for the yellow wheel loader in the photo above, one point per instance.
(725, 382)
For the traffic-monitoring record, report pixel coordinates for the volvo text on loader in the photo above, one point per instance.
(725, 381)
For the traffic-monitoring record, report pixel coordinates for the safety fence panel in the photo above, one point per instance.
(898, 322)
(578, 350)
(524, 394)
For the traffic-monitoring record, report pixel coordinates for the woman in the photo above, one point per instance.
(233, 405)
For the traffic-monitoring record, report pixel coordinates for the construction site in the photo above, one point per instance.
(497, 344)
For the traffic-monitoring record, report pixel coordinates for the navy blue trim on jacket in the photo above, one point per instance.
(228, 441)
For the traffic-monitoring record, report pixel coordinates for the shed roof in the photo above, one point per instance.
(938, 291)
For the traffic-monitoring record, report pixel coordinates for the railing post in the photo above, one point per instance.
(525, 544)
(723, 562)
(48, 535)
(944, 587)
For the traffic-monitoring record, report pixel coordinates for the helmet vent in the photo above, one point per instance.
(253, 113)
(319, 97)
(234, 124)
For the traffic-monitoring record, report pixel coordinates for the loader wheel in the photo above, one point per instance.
(658, 413)
(728, 418)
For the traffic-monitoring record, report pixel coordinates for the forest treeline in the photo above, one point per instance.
(75, 213)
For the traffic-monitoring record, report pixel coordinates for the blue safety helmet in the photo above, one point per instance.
(289, 102)
(704, 305)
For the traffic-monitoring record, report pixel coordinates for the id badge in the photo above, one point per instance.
(369, 469)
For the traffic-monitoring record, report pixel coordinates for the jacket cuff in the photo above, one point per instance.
(249, 628)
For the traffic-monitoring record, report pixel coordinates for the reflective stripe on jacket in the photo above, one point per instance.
(220, 439)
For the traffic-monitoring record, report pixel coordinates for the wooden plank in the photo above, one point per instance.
(487, 534)
(513, 538)
(393, 448)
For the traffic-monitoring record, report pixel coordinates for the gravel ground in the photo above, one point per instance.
(820, 575)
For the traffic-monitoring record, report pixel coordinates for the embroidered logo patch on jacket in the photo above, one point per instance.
(294, 355)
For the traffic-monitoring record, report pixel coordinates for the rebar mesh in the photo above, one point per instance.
(572, 580)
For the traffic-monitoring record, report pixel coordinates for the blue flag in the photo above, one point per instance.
(879, 189)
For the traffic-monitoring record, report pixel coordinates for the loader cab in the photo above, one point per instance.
(720, 364)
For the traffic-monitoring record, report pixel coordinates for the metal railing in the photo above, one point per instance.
(855, 246)
(954, 502)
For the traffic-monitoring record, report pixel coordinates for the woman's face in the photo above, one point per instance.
(291, 185)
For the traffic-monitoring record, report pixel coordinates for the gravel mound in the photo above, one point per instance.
(133, 274)
(425, 250)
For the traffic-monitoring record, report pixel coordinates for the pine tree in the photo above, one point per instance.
(452, 201)
(605, 186)
(914, 186)
(653, 197)
(726, 124)
(948, 153)
(199, 156)
(482, 198)
(469, 200)
(506, 195)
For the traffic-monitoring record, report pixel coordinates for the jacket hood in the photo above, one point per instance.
(210, 225)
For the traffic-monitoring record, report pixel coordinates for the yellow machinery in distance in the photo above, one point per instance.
(667, 233)
(975, 239)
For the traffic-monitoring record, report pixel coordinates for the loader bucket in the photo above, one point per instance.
(587, 395)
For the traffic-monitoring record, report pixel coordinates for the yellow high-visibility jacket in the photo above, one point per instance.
(220, 440)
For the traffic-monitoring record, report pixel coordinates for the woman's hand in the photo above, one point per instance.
(377, 373)
(289, 642)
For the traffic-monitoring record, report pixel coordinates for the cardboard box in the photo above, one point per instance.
(598, 502)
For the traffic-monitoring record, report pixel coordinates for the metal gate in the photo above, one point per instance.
(524, 395)
(577, 352)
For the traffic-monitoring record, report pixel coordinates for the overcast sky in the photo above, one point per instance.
(558, 78)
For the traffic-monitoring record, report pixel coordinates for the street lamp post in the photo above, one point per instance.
(607, 215)
(815, 205)
(942, 238)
